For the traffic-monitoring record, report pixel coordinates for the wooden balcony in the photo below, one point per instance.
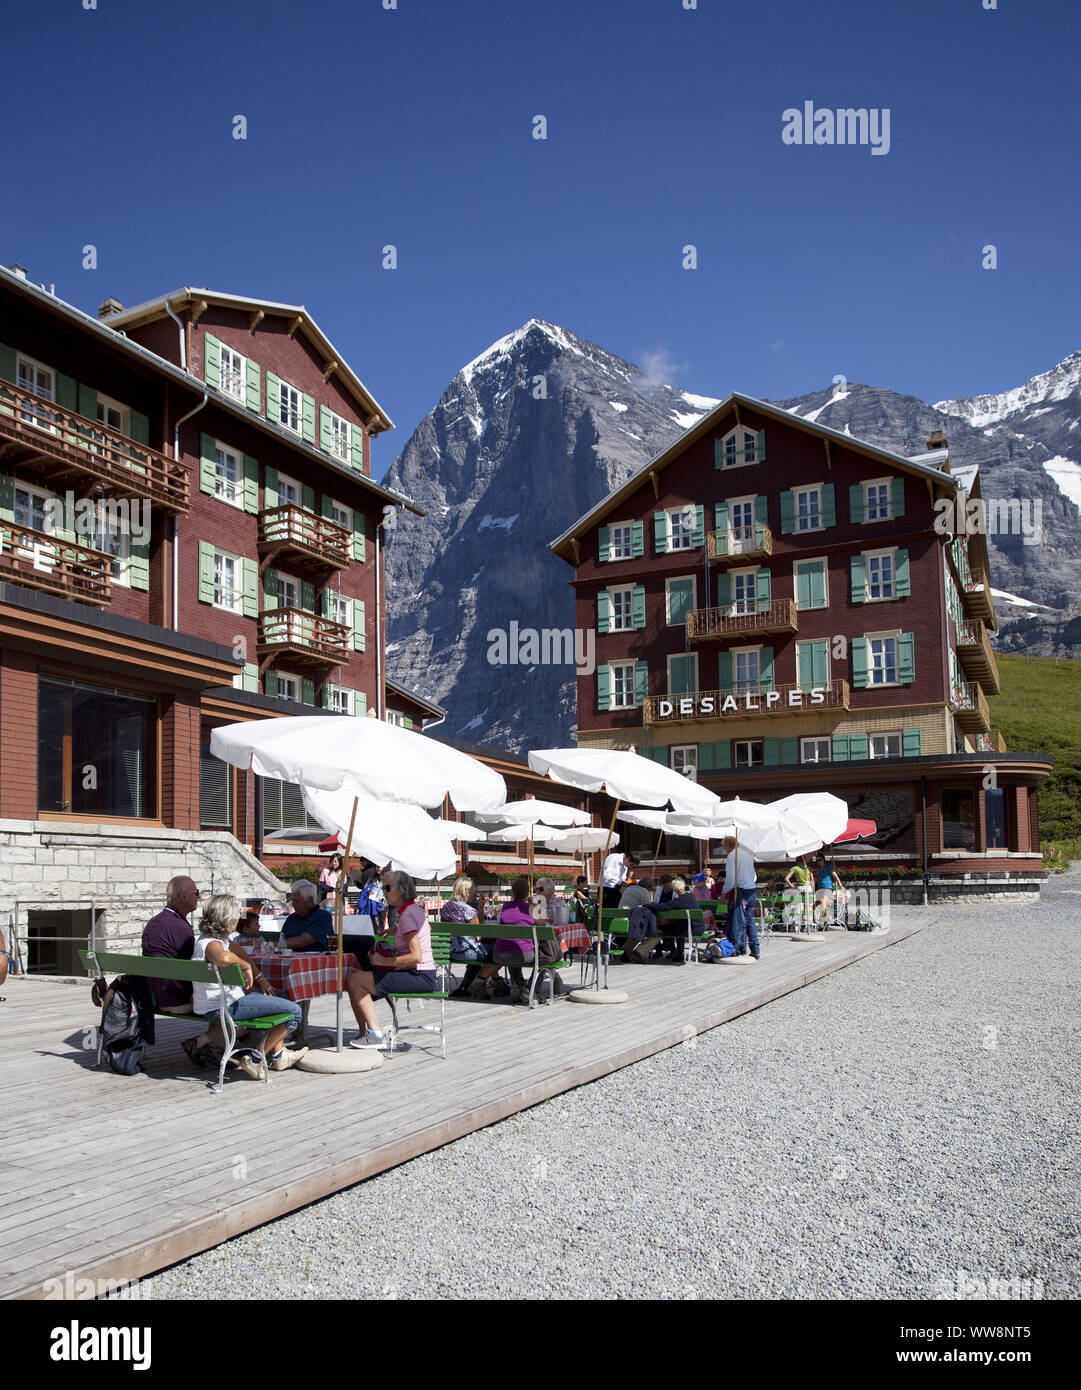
(976, 596)
(990, 742)
(976, 653)
(971, 709)
(745, 702)
(305, 638)
(740, 543)
(305, 542)
(64, 568)
(739, 620)
(69, 450)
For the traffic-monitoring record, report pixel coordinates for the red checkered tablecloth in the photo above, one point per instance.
(574, 937)
(306, 975)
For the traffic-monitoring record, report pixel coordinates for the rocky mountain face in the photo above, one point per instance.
(542, 425)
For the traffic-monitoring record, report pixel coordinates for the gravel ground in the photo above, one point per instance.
(904, 1128)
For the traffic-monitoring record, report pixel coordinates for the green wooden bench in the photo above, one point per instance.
(102, 963)
(518, 931)
(695, 922)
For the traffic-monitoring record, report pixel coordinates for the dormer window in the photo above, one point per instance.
(740, 447)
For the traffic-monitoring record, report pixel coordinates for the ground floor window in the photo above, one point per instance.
(97, 750)
(815, 750)
(884, 746)
(994, 810)
(893, 811)
(685, 759)
(215, 809)
(958, 818)
(283, 807)
(750, 752)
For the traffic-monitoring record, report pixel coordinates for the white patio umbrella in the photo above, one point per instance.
(579, 839)
(530, 832)
(386, 832)
(625, 776)
(458, 830)
(550, 812)
(368, 757)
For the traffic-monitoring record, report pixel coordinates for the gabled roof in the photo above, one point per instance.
(153, 309)
(406, 694)
(734, 400)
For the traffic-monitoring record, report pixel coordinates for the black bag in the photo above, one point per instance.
(127, 1023)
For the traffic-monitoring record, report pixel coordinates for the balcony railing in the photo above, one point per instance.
(747, 701)
(741, 619)
(62, 440)
(976, 653)
(976, 595)
(40, 561)
(971, 709)
(740, 542)
(990, 742)
(306, 540)
(305, 637)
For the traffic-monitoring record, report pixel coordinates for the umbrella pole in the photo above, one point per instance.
(600, 893)
(657, 851)
(339, 913)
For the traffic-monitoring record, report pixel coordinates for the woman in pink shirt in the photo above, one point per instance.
(407, 967)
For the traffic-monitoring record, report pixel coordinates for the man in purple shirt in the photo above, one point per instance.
(170, 934)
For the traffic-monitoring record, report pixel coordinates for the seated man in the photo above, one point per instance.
(308, 927)
(170, 936)
(637, 901)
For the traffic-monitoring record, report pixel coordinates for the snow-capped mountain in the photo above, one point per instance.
(539, 427)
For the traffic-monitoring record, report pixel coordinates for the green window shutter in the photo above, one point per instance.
(138, 427)
(250, 679)
(139, 566)
(840, 748)
(897, 496)
(818, 584)
(307, 418)
(680, 600)
(803, 586)
(718, 453)
(855, 503)
(659, 755)
(325, 597)
(638, 540)
(358, 535)
(771, 752)
(270, 488)
(356, 450)
(251, 484)
(765, 666)
(789, 751)
(683, 675)
(604, 611)
(604, 544)
(307, 691)
(724, 670)
(911, 743)
(273, 398)
(67, 392)
(271, 589)
(360, 702)
(722, 754)
(604, 687)
(251, 387)
(761, 509)
(212, 361)
(206, 572)
(902, 585)
(699, 537)
(327, 507)
(788, 512)
(724, 589)
(857, 746)
(88, 402)
(270, 683)
(7, 497)
(764, 589)
(660, 532)
(859, 663)
(325, 697)
(250, 588)
(829, 505)
(820, 662)
(359, 625)
(307, 497)
(208, 469)
(638, 606)
(326, 433)
(307, 595)
(761, 446)
(906, 657)
(408, 722)
(7, 362)
(641, 682)
(705, 757)
(720, 516)
(859, 579)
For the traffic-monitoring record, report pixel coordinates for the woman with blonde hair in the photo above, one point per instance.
(217, 924)
(468, 950)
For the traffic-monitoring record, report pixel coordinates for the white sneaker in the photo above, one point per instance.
(371, 1038)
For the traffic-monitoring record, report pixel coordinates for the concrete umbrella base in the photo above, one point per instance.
(330, 1062)
(738, 960)
(598, 996)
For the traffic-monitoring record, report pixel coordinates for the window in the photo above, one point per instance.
(341, 516)
(685, 759)
(336, 698)
(808, 508)
(622, 605)
(958, 819)
(745, 669)
(228, 592)
(341, 438)
(215, 812)
(814, 750)
(398, 720)
(681, 529)
(621, 542)
(96, 750)
(740, 447)
(288, 492)
(750, 752)
(339, 609)
(994, 810)
(228, 476)
(623, 685)
(876, 500)
(38, 380)
(113, 415)
(115, 542)
(741, 518)
(288, 591)
(744, 591)
(679, 599)
(289, 407)
(233, 373)
(810, 584)
(288, 687)
(884, 745)
(29, 508)
(880, 576)
(883, 664)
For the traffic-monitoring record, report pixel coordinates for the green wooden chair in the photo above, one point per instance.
(100, 963)
(499, 931)
(694, 921)
(441, 932)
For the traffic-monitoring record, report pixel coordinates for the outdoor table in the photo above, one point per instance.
(304, 976)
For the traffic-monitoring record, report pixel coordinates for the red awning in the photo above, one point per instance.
(330, 844)
(856, 830)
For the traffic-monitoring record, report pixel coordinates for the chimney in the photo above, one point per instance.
(109, 307)
(19, 270)
(937, 441)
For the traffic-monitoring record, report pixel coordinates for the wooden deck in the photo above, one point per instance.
(113, 1177)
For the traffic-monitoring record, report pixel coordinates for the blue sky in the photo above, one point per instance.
(413, 127)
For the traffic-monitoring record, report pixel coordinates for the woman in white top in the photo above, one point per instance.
(216, 925)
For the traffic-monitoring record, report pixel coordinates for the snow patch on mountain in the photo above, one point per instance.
(618, 405)
(1067, 476)
(1059, 383)
(1012, 601)
(497, 523)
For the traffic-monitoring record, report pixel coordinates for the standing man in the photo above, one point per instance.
(614, 875)
(739, 881)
